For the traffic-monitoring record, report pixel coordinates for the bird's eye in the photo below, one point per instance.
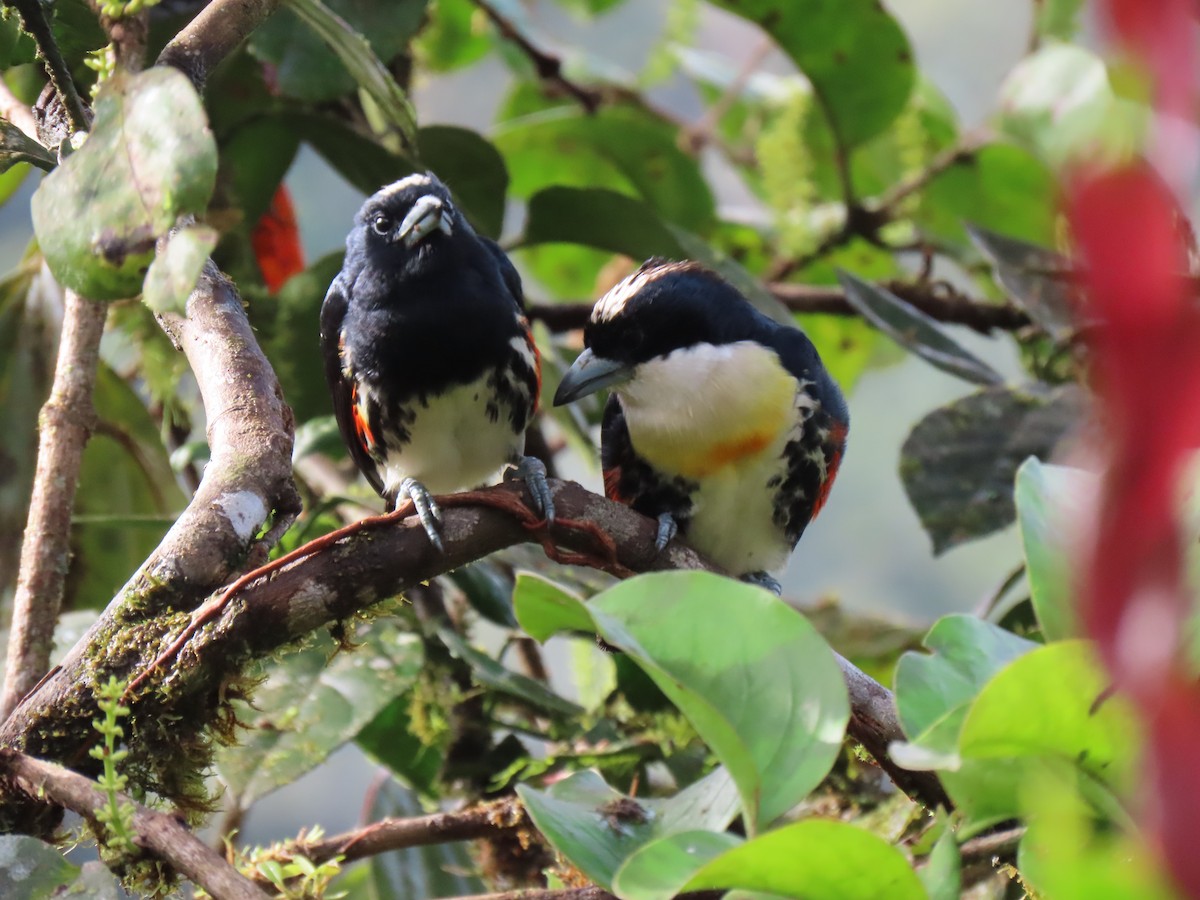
(382, 224)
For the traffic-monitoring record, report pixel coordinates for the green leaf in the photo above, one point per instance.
(358, 56)
(32, 869)
(474, 170)
(597, 828)
(492, 674)
(311, 705)
(1039, 280)
(1053, 703)
(1049, 501)
(915, 331)
(942, 874)
(453, 37)
(1058, 18)
(149, 159)
(619, 148)
(435, 870)
(660, 869)
(173, 274)
(600, 218)
(391, 739)
(489, 591)
(959, 462)
(853, 52)
(127, 496)
(254, 159)
(291, 321)
(1059, 100)
(965, 652)
(816, 859)
(754, 678)
(1001, 186)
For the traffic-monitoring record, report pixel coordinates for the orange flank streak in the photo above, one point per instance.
(726, 453)
(361, 426)
(837, 434)
(612, 481)
(537, 366)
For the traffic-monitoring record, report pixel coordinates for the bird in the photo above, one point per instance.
(428, 354)
(722, 424)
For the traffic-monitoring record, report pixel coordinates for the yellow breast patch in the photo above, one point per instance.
(703, 410)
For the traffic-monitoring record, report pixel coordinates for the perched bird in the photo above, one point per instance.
(428, 354)
(722, 423)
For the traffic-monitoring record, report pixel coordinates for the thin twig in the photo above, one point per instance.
(160, 834)
(483, 820)
(865, 219)
(216, 32)
(697, 136)
(34, 21)
(936, 299)
(547, 66)
(67, 420)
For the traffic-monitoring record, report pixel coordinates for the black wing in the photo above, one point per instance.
(512, 278)
(631, 480)
(341, 389)
(813, 457)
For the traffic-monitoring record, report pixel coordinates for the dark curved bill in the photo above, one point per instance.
(589, 374)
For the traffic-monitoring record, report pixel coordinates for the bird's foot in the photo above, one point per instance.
(532, 471)
(764, 580)
(427, 509)
(667, 529)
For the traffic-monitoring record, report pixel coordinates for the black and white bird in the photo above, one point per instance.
(722, 423)
(429, 357)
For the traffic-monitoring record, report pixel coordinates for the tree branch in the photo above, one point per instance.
(482, 820)
(66, 420)
(34, 21)
(547, 66)
(936, 299)
(217, 31)
(248, 477)
(162, 835)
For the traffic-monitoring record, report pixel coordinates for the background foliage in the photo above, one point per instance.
(863, 209)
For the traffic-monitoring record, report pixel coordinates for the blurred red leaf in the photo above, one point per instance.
(276, 242)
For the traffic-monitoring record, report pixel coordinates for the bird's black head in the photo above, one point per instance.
(411, 227)
(662, 307)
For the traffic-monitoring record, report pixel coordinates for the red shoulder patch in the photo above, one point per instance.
(612, 482)
(837, 437)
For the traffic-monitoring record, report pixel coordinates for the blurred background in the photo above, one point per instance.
(867, 552)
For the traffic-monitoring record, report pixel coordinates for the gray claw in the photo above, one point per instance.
(763, 580)
(428, 511)
(667, 529)
(533, 471)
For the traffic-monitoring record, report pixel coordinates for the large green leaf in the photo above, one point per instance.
(959, 462)
(965, 652)
(306, 67)
(311, 705)
(173, 274)
(1049, 502)
(473, 169)
(1060, 101)
(854, 53)
(597, 828)
(149, 159)
(127, 496)
(1001, 187)
(619, 148)
(754, 678)
(816, 859)
(915, 331)
(1036, 278)
(1054, 702)
(600, 218)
